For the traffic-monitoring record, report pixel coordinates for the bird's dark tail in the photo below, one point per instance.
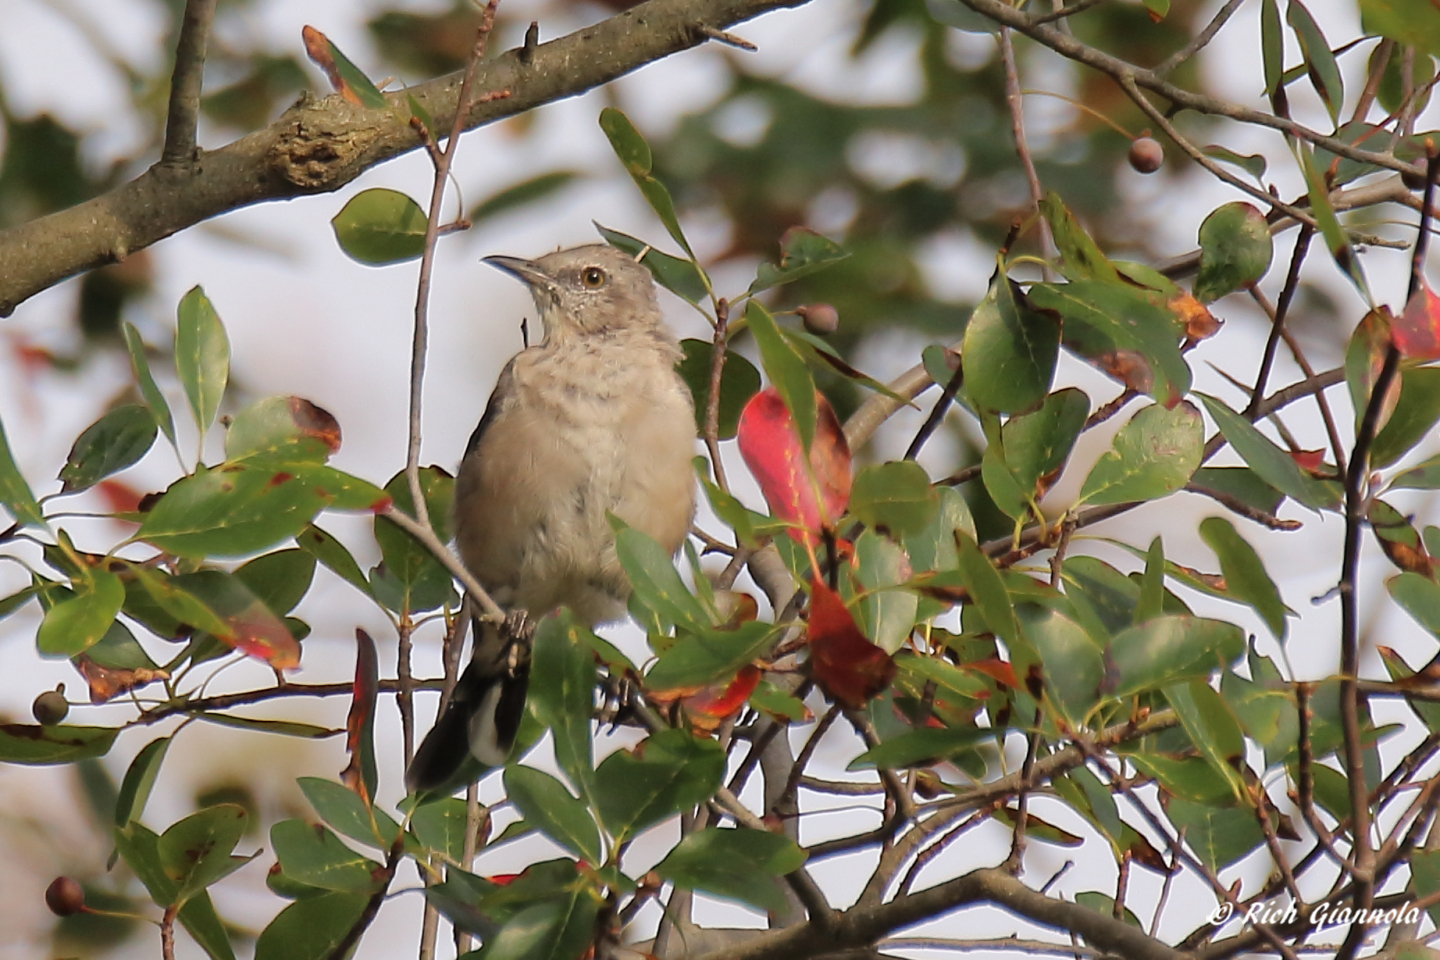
(477, 728)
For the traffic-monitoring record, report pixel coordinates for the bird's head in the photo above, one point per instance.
(587, 291)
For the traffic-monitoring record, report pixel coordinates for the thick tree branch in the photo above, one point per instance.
(320, 145)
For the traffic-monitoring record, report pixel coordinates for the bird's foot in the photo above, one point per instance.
(518, 631)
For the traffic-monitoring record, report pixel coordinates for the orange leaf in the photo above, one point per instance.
(849, 667)
(809, 494)
(1199, 322)
(1417, 330)
(717, 701)
(997, 670)
(107, 683)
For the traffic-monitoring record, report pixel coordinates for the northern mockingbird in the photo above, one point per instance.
(593, 419)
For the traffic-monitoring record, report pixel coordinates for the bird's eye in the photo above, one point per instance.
(593, 277)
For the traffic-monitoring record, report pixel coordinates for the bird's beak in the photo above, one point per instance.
(525, 270)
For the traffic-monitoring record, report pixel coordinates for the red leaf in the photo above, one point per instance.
(1311, 461)
(809, 495)
(1417, 330)
(359, 775)
(120, 497)
(849, 667)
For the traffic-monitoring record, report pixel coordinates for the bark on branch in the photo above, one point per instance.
(320, 145)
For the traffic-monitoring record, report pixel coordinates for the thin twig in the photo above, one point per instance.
(430, 541)
(1014, 102)
(183, 113)
(937, 413)
(1278, 314)
(712, 400)
(420, 341)
(1200, 41)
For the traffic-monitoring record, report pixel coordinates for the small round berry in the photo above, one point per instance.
(50, 707)
(64, 897)
(820, 319)
(1146, 155)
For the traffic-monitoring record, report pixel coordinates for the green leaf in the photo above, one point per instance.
(139, 781)
(953, 13)
(1153, 455)
(379, 226)
(1245, 576)
(1336, 239)
(681, 277)
(195, 852)
(1235, 250)
(1319, 60)
(440, 826)
(700, 658)
(655, 580)
(739, 381)
(786, 370)
(1122, 330)
(668, 773)
(1410, 23)
(1274, 466)
(37, 745)
(199, 918)
(545, 803)
(409, 577)
(1414, 416)
(1240, 483)
(922, 747)
(1070, 658)
(1212, 728)
(311, 929)
(1166, 650)
(934, 547)
(1252, 163)
(280, 579)
(886, 615)
(352, 79)
(283, 429)
(173, 601)
(139, 848)
(109, 445)
(283, 728)
(73, 625)
(313, 855)
(634, 153)
(1187, 778)
(802, 252)
(735, 864)
(1219, 836)
(248, 625)
(202, 356)
(522, 194)
(557, 928)
(1083, 258)
(1151, 602)
(1419, 596)
(1009, 350)
(894, 497)
(231, 510)
(1272, 51)
(15, 493)
(562, 695)
(1038, 443)
(987, 589)
(342, 809)
(149, 392)
(334, 555)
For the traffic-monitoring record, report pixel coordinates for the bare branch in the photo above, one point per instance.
(319, 146)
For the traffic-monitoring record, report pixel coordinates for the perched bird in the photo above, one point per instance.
(593, 419)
